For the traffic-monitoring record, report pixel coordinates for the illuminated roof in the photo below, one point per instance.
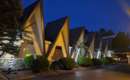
(75, 34)
(28, 10)
(53, 28)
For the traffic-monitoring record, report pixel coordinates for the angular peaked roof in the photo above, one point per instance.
(98, 38)
(53, 28)
(28, 10)
(75, 34)
(90, 36)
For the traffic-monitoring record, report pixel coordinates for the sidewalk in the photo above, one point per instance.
(28, 75)
(20, 74)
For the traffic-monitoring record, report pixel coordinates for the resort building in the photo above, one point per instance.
(57, 39)
(91, 44)
(33, 27)
(77, 42)
(107, 44)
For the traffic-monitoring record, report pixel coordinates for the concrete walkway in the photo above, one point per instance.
(88, 74)
(80, 73)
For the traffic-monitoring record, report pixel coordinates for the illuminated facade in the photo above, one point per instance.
(91, 47)
(33, 26)
(57, 32)
(107, 41)
(77, 43)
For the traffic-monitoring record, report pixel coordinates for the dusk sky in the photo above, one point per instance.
(94, 14)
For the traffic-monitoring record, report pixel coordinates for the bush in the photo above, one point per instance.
(107, 60)
(64, 64)
(37, 65)
(96, 62)
(69, 63)
(31, 63)
(43, 61)
(28, 61)
(84, 61)
(101, 61)
(56, 65)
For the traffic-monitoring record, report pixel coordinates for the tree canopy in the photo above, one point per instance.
(10, 12)
(104, 32)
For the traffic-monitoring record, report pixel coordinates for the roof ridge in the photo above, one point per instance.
(28, 10)
(58, 19)
(53, 28)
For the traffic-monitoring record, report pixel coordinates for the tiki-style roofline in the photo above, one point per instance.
(53, 28)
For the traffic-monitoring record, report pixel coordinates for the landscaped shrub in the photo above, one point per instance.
(64, 63)
(84, 61)
(107, 60)
(43, 61)
(70, 64)
(32, 63)
(96, 62)
(28, 60)
(56, 65)
(36, 67)
(38, 64)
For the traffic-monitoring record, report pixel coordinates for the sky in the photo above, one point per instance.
(93, 14)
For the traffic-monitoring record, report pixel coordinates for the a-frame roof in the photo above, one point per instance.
(75, 34)
(53, 28)
(98, 39)
(28, 10)
(89, 37)
(32, 25)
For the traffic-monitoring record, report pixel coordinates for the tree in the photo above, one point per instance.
(121, 42)
(10, 12)
(109, 32)
(104, 32)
